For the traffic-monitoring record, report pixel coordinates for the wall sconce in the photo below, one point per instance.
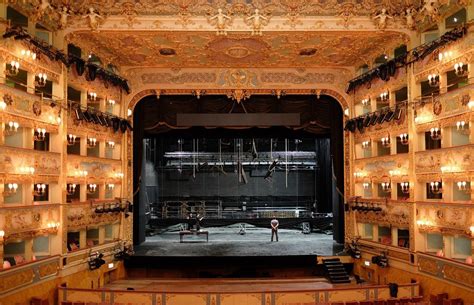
(436, 187)
(40, 134)
(12, 128)
(119, 175)
(91, 142)
(14, 68)
(71, 139)
(460, 69)
(27, 170)
(358, 174)
(111, 102)
(53, 225)
(41, 80)
(464, 186)
(110, 186)
(91, 188)
(3, 105)
(2, 234)
(433, 80)
(81, 173)
(470, 229)
(110, 144)
(198, 93)
(27, 54)
(366, 185)
(384, 96)
(92, 96)
(385, 141)
(365, 144)
(435, 133)
(446, 55)
(366, 102)
(129, 112)
(39, 189)
(404, 138)
(10, 189)
(462, 127)
(70, 188)
(405, 186)
(386, 186)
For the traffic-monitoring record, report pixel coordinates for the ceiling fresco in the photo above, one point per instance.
(206, 49)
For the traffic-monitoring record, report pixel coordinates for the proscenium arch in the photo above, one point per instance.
(341, 152)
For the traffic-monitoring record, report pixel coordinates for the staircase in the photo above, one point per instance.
(335, 270)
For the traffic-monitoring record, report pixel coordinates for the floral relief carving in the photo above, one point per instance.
(17, 279)
(428, 265)
(459, 275)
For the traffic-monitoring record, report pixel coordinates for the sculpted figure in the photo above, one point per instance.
(257, 21)
(93, 18)
(382, 17)
(220, 20)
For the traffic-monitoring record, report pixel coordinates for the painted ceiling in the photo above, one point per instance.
(206, 49)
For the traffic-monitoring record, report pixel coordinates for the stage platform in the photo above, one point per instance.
(231, 255)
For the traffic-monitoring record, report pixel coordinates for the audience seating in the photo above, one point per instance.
(453, 302)
(366, 303)
(352, 303)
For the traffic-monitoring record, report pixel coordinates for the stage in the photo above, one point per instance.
(226, 241)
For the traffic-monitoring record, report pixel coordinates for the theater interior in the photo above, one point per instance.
(236, 152)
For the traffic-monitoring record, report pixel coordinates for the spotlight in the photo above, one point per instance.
(96, 260)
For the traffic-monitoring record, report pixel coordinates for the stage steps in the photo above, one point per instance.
(335, 270)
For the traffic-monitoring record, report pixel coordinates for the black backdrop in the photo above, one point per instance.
(319, 117)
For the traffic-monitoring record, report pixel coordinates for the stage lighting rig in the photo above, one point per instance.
(96, 260)
(380, 260)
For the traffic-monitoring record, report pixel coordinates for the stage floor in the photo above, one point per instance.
(226, 241)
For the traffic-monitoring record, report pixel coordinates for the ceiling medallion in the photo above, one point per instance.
(238, 52)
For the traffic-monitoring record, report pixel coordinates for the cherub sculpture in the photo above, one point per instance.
(382, 17)
(257, 21)
(93, 18)
(63, 15)
(410, 19)
(220, 20)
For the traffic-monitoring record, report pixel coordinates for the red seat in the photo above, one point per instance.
(405, 301)
(337, 303)
(352, 303)
(380, 302)
(453, 302)
(66, 303)
(366, 303)
(393, 302)
(416, 299)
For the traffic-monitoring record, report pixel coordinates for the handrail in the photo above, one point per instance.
(340, 288)
(28, 264)
(449, 260)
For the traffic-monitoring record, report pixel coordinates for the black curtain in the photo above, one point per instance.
(320, 117)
